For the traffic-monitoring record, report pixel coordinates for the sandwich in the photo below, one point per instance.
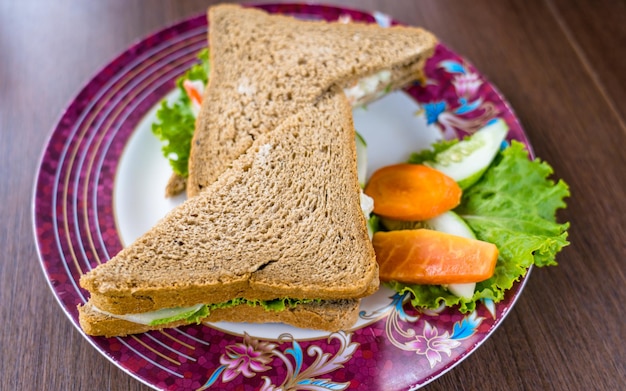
(272, 230)
(265, 68)
(278, 237)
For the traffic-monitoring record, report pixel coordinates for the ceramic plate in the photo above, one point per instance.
(100, 185)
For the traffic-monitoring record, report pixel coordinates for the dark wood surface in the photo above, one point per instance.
(560, 63)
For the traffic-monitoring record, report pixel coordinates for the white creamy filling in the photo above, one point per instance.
(367, 86)
(367, 204)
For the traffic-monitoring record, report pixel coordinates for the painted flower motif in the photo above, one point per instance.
(431, 344)
(467, 84)
(252, 356)
(433, 111)
(246, 358)
(491, 307)
(268, 386)
(451, 120)
(435, 311)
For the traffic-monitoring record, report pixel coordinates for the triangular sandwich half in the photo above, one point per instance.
(282, 225)
(267, 67)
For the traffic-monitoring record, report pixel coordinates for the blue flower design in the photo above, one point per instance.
(452, 67)
(398, 304)
(467, 107)
(466, 327)
(433, 110)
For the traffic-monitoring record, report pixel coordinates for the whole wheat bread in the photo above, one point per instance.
(265, 68)
(283, 221)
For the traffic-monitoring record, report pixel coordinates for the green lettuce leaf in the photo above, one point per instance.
(278, 304)
(192, 316)
(199, 71)
(513, 206)
(174, 127)
(431, 296)
(176, 122)
(373, 224)
(196, 315)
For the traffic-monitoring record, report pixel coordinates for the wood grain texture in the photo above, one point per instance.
(595, 31)
(559, 63)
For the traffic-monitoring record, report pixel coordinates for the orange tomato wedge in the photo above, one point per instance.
(425, 256)
(412, 192)
(192, 92)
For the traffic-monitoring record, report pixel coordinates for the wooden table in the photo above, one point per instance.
(560, 63)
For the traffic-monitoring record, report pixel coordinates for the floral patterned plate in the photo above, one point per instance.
(100, 185)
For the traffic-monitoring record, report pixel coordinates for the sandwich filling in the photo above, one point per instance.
(195, 313)
(369, 88)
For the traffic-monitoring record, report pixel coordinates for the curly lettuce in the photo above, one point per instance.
(513, 206)
(175, 122)
(195, 315)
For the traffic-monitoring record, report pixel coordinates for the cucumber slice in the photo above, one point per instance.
(453, 224)
(467, 160)
(147, 318)
(361, 159)
(464, 290)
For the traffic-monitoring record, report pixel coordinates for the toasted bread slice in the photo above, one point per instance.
(332, 315)
(284, 221)
(266, 67)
